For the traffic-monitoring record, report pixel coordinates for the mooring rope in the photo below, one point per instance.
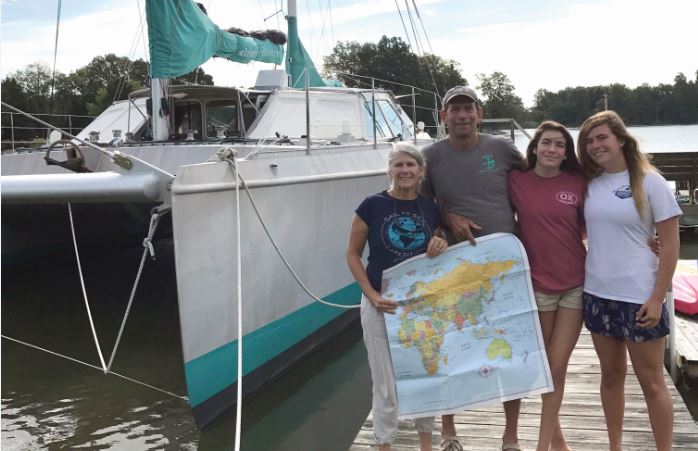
(227, 155)
(95, 367)
(238, 411)
(156, 213)
(84, 292)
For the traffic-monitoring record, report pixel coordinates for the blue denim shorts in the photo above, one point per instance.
(616, 319)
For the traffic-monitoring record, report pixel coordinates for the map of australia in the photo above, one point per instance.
(466, 331)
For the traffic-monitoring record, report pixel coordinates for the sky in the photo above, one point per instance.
(538, 44)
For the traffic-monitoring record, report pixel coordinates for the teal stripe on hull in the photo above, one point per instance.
(214, 371)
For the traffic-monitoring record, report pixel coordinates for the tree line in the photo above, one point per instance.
(87, 91)
(92, 88)
(391, 59)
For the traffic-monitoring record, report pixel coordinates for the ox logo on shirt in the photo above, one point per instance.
(623, 192)
(567, 198)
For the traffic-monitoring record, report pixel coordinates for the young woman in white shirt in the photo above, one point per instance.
(625, 282)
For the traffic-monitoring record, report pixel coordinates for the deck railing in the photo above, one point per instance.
(19, 133)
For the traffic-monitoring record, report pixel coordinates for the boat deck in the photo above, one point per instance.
(581, 416)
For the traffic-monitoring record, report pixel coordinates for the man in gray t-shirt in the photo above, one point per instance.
(467, 174)
(472, 182)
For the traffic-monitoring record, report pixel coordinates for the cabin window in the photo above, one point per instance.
(381, 125)
(389, 122)
(222, 118)
(392, 119)
(249, 114)
(187, 120)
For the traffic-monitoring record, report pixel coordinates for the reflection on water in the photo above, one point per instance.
(51, 402)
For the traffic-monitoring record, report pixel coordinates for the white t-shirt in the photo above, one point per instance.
(620, 265)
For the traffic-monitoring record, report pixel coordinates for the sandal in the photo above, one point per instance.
(450, 444)
(511, 447)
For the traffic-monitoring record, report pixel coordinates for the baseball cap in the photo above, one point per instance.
(460, 90)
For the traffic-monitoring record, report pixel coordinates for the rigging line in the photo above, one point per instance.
(407, 35)
(329, 5)
(84, 292)
(29, 345)
(322, 24)
(129, 63)
(55, 57)
(278, 10)
(261, 9)
(323, 30)
(131, 53)
(423, 57)
(414, 3)
(156, 213)
(414, 31)
(238, 410)
(387, 81)
(140, 20)
(310, 29)
(232, 165)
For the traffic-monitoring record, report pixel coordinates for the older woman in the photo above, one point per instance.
(397, 224)
(625, 282)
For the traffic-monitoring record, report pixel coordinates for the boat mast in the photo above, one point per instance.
(160, 111)
(294, 63)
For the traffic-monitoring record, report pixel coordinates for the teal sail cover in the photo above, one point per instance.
(182, 38)
(299, 64)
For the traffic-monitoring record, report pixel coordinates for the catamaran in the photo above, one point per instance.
(260, 183)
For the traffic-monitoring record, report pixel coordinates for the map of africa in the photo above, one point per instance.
(466, 331)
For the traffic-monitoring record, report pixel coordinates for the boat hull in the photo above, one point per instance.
(206, 412)
(304, 203)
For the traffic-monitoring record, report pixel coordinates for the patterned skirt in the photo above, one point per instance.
(617, 319)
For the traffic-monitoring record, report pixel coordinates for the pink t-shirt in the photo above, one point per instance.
(550, 214)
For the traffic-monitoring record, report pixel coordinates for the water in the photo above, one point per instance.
(49, 402)
(667, 138)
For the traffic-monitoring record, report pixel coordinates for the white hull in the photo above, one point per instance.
(307, 207)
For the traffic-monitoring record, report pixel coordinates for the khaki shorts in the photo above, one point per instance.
(550, 302)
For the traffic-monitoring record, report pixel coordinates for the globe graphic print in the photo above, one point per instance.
(406, 234)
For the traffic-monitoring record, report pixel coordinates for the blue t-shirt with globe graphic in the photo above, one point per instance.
(397, 230)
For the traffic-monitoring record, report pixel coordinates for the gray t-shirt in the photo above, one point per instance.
(473, 183)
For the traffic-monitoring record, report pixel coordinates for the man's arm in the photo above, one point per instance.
(460, 226)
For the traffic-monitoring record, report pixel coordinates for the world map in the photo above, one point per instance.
(466, 331)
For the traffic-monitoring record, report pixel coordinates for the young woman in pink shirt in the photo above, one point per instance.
(548, 197)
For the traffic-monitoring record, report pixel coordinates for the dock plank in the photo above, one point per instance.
(687, 345)
(581, 416)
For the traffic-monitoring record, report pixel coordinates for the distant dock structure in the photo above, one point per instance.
(682, 169)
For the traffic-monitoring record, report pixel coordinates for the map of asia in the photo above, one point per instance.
(466, 332)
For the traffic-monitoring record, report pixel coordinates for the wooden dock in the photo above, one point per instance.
(687, 330)
(581, 416)
(687, 347)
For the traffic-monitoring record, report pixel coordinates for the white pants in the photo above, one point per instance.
(385, 409)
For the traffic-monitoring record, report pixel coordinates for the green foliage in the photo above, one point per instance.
(392, 60)
(88, 90)
(499, 98)
(644, 105)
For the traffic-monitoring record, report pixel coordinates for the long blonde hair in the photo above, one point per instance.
(637, 162)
